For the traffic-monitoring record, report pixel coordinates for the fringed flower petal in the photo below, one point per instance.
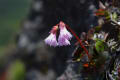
(51, 40)
(63, 38)
(63, 41)
(64, 32)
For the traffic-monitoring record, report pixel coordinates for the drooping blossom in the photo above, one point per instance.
(51, 39)
(64, 32)
(64, 36)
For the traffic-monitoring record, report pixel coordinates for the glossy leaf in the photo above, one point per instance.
(100, 46)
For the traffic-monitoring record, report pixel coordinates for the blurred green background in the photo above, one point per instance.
(12, 12)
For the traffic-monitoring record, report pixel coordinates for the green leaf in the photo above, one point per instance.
(100, 46)
(114, 16)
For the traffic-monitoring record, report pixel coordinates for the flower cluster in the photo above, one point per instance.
(63, 38)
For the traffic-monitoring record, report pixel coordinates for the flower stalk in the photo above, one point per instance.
(86, 51)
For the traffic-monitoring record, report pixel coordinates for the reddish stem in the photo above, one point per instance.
(86, 51)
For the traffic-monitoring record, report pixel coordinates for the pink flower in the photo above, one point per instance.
(51, 39)
(64, 32)
(64, 36)
(63, 41)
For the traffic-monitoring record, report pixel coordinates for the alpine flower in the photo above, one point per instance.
(64, 33)
(51, 39)
(64, 36)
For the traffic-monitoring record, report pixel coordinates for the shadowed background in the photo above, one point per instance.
(24, 24)
(12, 12)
